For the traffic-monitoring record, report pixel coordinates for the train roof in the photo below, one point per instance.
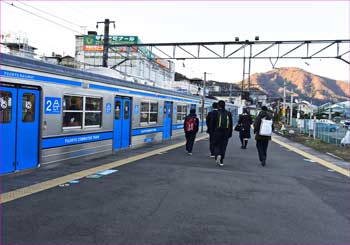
(37, 65)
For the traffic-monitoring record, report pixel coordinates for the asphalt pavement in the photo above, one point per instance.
(173, 198)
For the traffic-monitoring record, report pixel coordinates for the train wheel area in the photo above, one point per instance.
(170, 197)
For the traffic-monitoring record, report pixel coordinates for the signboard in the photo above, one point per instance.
(52, 105)
(95, 42)
(108, 108)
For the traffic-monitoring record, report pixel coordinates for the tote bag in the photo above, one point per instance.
(265, 127)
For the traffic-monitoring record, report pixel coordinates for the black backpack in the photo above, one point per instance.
(223, 119)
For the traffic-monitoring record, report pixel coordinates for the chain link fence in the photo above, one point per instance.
(331, 133)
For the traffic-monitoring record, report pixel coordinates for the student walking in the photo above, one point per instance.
(221, 132)
(244, 122)
(191, 126)
(262, 141)
(209, 119)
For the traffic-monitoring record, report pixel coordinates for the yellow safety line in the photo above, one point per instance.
(325, 163)
(22, 192)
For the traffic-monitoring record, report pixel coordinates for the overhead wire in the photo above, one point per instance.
(45, 12)
(54, 22)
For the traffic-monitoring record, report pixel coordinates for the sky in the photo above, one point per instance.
(189, 21)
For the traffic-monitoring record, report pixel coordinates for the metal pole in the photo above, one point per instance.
(105, 43)
(291, 109)
(284, 106)
(203, 100)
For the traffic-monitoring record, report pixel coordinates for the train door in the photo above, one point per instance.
(167, 122)
(19, 128)
(122, 122)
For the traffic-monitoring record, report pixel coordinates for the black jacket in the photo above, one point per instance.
(209, 121)
(197, 122)
(262, 115)
(245, 120)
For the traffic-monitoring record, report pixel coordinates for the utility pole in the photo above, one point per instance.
(291, 109)
(105, 40)
(203, 100)
(284, 106)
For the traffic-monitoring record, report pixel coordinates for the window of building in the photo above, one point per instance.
(81, 112)
(149, 113)
(5, 107)
(181, 112)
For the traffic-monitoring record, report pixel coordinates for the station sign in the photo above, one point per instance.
(95, 42)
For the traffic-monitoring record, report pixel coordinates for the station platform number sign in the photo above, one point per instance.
(52, 105)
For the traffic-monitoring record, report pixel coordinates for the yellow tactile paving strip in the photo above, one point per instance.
(325, 163)
(22, 192)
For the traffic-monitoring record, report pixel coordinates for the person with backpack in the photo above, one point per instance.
(208, 121)
(262, 139)
(244, 122)
(221, 126)
(191, 126)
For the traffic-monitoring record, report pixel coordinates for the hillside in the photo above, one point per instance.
(303, 83)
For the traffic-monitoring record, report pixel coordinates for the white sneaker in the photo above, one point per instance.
(218, 160)
(211, 156)
(189, 153)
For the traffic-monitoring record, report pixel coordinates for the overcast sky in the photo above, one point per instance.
(182, 21)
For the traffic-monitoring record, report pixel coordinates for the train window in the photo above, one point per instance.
(181, 112)
(73, 103)
(126, 110)
(6, 106)
(149, 113)
(153, 113)
(28, 107)
(93, 112)
(117, 110)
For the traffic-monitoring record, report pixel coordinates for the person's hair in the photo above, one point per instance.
(215, 105)
(245, 110)
(192, 111)
(264, 108)
(221, 104)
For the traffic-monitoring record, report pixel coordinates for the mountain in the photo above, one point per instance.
(304, 84)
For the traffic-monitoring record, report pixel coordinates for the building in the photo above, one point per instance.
(136, 61)
(16, 44)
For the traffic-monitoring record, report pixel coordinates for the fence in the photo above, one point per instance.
(329, 133)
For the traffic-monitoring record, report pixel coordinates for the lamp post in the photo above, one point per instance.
(203, 100)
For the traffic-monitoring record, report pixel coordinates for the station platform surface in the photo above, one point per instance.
(160, 195)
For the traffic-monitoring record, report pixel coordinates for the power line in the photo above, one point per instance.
(27, 11)
(55, 16)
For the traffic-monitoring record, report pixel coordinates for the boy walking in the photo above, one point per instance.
(191, 126)
(222, 131)
(208, 121)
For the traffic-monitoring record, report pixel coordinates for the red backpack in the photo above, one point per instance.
(191, 125)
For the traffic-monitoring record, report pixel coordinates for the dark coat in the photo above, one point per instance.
(197, 122)
(245, 120)
(209, 121)
(262, 115)
(219, 133)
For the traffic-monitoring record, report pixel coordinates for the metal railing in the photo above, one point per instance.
(326, 132)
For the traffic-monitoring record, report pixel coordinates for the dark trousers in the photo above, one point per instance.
(262, 145)
(211, 144)
(190, 137)
(220, 144)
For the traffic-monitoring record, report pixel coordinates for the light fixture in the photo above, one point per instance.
(256, 38)
(237, 39)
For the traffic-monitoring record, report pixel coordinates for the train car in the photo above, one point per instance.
(52, 113)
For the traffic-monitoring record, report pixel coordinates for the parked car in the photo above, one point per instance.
(345, 123)
(327, 125)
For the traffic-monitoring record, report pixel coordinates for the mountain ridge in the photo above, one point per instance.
(304, 84)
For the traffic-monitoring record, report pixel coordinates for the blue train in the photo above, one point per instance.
(52, 113)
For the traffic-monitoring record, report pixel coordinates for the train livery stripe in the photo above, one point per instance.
(140, 93)
(178, 126)
(76, 139)
(26, 76)
(141, 131)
